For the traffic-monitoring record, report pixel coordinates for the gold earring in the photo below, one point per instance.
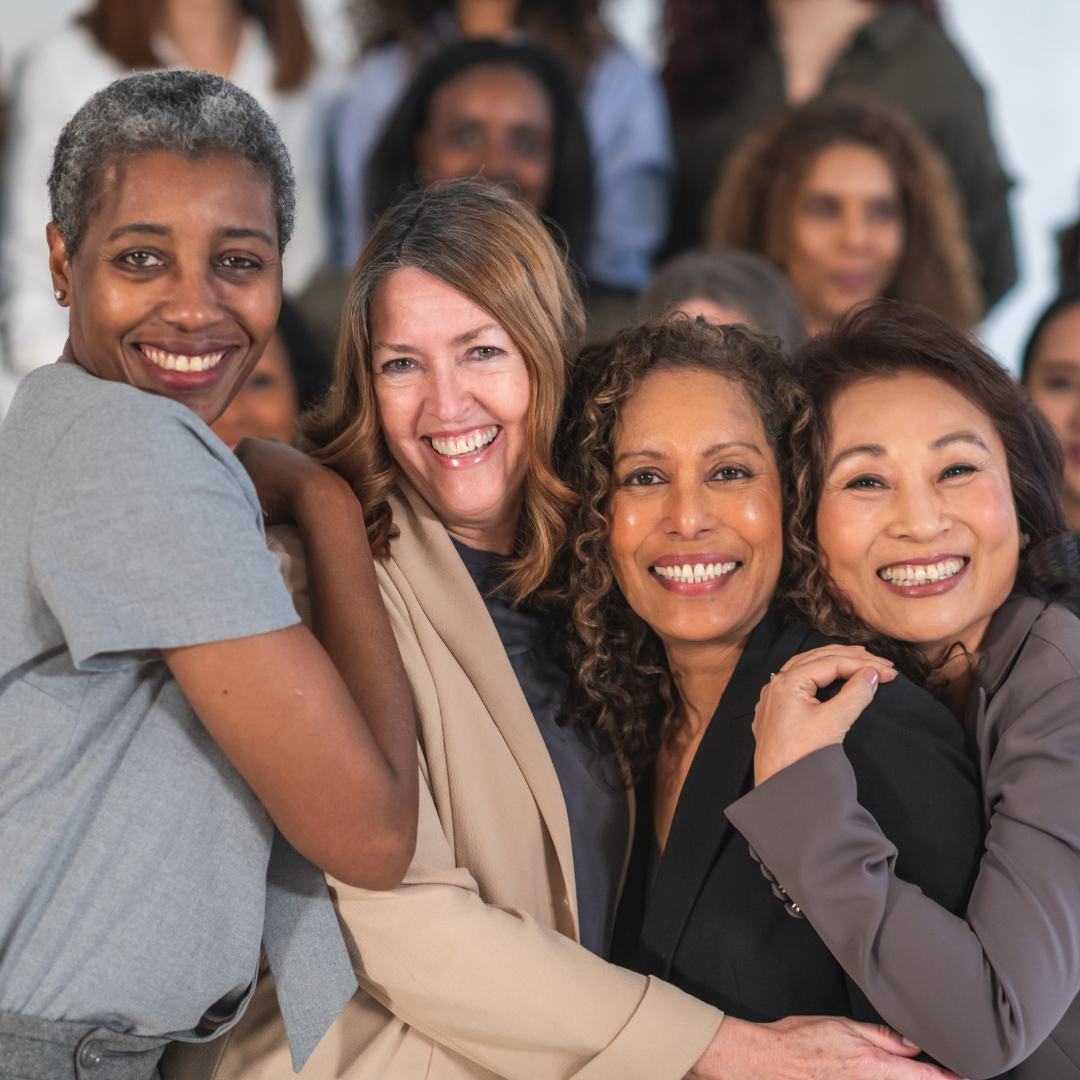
(1024, 540)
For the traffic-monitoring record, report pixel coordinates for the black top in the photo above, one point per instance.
(711, 923)
(598, 810)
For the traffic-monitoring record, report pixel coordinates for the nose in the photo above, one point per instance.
(192, 299)
(689, 512)
(854, 232)
(919, 514)
(450, 397)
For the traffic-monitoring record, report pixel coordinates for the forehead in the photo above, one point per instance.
(220, 191)
(493, 92)
(904, 413)
(850, 167)
(687, 411)
(1060, 338)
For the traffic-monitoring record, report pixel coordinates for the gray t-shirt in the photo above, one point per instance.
(132, 854)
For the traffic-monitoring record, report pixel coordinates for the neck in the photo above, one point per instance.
(497, 535)
(811, 34)
(486, 18)
(206, 33)
(701, 672)
(957, 665)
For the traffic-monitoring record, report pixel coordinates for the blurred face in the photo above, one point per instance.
(916, 520)
(453, 394)
(177, 284)
(496, 123)
(710, 311)
(695, 525)
(847, 232)
(1054, 385)
(266, 406)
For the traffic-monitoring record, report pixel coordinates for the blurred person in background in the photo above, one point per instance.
(1050, 370)
(622, 101)
(847, 197)
(291, 376)
(731, 63)
(727, 287)
(504, 112)
(260, 45)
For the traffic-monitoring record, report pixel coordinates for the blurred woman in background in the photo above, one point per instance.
(506, 113)
(622, 101)
(732, 63)
(260, 45)
(851, 201)
(727, 287)
(1051, 372)
(292, 375)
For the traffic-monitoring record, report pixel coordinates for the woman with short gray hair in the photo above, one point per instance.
(161, 708)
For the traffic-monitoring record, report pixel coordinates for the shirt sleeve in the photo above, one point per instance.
(979, 993)
(146, 535)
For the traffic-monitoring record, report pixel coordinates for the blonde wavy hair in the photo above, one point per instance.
(495, 251)
(751, 208)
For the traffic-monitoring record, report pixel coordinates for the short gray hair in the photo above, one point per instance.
(190, 113)
(742, 280)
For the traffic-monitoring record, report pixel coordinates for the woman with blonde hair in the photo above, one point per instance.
(460, 331)
(260, 45)
(848, 198)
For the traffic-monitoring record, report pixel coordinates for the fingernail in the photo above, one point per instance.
(871, 676)
(907, 1042)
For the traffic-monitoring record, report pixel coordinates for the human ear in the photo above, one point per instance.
(59, 265)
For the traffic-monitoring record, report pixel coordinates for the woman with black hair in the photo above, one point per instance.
(504, 112)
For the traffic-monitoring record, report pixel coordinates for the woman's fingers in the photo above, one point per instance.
(845, 653)
(820, 671)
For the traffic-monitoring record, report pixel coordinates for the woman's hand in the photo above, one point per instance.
(790, 722)
(810, 1048)
(284, 477)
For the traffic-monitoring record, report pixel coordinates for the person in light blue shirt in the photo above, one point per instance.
(622, 102)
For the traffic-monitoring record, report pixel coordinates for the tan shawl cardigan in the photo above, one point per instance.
(471, 967)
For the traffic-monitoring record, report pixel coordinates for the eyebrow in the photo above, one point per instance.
(879, 451)
(655, 455)
(461, 339)
(148, 229)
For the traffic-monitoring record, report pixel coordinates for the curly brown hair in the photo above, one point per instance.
(623, 685)
(752, 206)
(495, 251)
(883, 339)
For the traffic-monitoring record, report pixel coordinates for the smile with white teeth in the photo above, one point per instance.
(460, 445)
(905, 575)
(180, 362)
(694, 573)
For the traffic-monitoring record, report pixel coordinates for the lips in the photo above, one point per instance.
(183, 362)
(924, 577)
(461, 445)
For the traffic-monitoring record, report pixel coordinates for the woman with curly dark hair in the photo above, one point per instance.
(850, 200)
(675, 443)
(928, 527)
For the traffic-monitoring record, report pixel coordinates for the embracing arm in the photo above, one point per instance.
(980, 993)
(324, 733)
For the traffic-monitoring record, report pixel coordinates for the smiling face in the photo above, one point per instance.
(176, 286)
(453, 394)
(1053, 380)
(496, 123)
(916, 521)
(846, 234)
(695, 522)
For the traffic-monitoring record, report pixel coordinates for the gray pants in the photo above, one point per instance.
(33, 1049)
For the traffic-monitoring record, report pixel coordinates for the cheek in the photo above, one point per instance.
(844, 536)
(398, 409)
(628, 525)
(890, 242)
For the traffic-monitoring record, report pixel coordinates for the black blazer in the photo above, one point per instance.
(713, 925)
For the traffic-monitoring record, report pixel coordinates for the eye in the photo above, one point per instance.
(731, 472)
(957, 470)
(1059, 384)
(882, 210)
(824, 207)
(240, 262)
(643, 478)
(485, 352)
(398, 366)
(864, 483)
(142, 259)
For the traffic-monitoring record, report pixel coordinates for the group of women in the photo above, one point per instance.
(742, 690)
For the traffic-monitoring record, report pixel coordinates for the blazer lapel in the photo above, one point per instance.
(443, 588)
(719, 774)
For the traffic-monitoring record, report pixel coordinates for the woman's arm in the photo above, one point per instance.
(324, 734)
(980, 993)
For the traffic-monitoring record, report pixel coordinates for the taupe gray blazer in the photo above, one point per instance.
(471, 968)
(997, 988)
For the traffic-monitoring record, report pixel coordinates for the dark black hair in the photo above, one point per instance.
(1065, 299)
(392, 169)
(311, 371)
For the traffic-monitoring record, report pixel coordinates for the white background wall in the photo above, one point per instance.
(1024, 54)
